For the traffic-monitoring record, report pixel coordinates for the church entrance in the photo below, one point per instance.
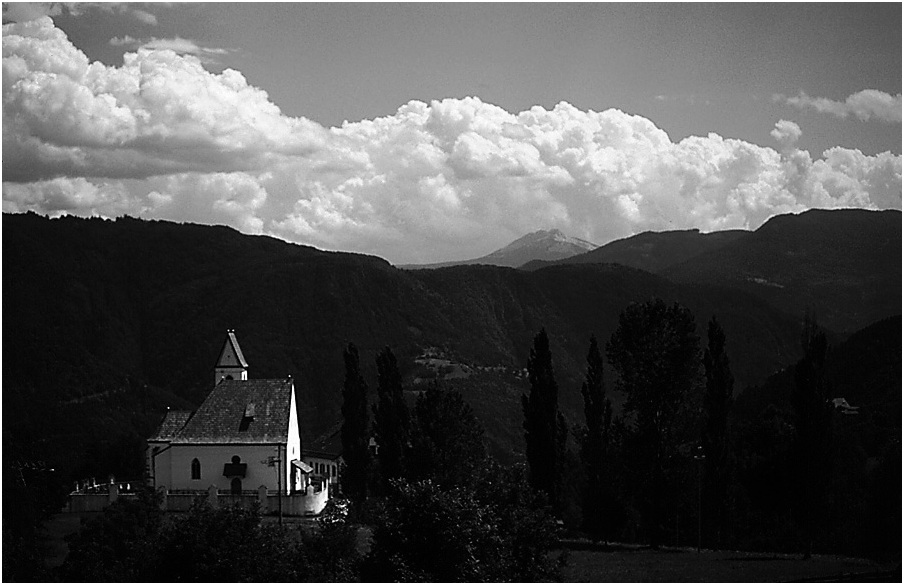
(235, 487)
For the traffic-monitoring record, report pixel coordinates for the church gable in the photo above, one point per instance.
(231, 355)
(231, 364)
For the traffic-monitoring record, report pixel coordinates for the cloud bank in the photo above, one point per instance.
(161, 137)
(177, 45)
(864, 105)
(25, 11)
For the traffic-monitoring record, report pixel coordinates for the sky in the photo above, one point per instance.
(428, 133)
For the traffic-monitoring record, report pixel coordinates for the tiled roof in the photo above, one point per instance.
(222, 417)
(328, 446)
(171, 424)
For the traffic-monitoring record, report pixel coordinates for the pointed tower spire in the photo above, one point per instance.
(231, 364)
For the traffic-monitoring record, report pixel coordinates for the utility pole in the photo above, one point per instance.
(279, 482)
(272, 461)
(699, 457)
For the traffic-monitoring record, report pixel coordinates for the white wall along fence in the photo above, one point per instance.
(89, 496)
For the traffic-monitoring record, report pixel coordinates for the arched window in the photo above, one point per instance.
(236, 486)
(195, 469)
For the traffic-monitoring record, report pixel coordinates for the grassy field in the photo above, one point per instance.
(588, 563)
(633, 564)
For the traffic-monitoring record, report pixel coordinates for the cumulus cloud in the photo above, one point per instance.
(159, 113)
(161, 137)
(786, 133)
(864, 105)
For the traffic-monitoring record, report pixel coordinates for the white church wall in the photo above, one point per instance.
(212, 459)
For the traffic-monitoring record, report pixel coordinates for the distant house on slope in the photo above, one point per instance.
(324, 455)
(244, 439)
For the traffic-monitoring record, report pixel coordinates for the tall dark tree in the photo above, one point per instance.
(716, 446)
(447, 443)
(390, 419)
(655, 352)
(594, 445)
(813, 417)
(355, 429)
(544, 426)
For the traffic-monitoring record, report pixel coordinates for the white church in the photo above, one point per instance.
(243, 441)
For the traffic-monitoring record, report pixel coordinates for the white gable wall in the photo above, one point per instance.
(228, 365)
(293, 447)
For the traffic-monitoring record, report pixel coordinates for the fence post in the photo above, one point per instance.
(164, 499)
(212, 495)
(262, 499)
(113, 492)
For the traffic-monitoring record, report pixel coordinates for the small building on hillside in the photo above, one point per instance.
(244, 440)
(324, 455)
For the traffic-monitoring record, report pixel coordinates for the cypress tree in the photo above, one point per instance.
(390, 418)
(716, 404)
(544, 426)
(355, 423)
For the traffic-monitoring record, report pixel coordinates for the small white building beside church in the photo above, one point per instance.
(244, 440)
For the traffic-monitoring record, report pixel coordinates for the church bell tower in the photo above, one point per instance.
(231, 364)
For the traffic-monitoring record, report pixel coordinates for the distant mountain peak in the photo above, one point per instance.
(549, 244)
(546, 245)
(552, 239)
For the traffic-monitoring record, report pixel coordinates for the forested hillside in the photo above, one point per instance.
(106, 323)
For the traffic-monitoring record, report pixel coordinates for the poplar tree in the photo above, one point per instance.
(447, 441)
(390, 418)
(813, 416)
(594, 445)
(544, 426)
(716, 446)
(355, 424)
(655, 352)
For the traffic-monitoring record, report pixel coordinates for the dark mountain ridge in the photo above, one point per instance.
(650, 251)
(843, 264)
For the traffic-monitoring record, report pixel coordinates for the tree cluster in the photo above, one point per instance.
(133, 541)
(682, 464)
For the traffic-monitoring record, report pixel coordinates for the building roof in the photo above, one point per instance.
(231, 340)
(328, 446)
(171, 424)
(241, 411)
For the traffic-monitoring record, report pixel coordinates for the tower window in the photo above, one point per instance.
(195, 469)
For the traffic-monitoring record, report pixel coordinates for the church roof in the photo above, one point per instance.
(171, 424)
(230, 339)
(241, 411)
